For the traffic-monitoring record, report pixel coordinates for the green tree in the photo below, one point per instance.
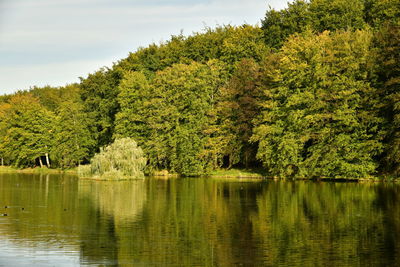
(279, 25)
(337, 15)
(318, 117)
(316, 15)
(237, 109)
(119, 160)
(27, 131)
(243, 42)
(99, 93)
(52, 97)
(388, 72)
(72, 141)
(169, 116)
(4, 109)
(381, 12)
(226, 43)
(131, 120)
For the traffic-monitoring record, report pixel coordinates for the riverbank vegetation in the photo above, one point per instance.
(36, 170)
(313, 92)
(123, 159)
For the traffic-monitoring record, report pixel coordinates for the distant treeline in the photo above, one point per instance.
(313, 92)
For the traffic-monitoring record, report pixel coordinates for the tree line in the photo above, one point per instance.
(313, 92)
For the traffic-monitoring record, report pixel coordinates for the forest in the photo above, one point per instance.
(314, 91)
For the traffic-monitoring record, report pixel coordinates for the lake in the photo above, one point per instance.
(59, 220)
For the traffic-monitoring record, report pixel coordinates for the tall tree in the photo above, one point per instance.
(226, 43)
(133, 99)
(52, 97)
(337, 15)
(27, 131)
(169, 116)
(388, 71)
(316, 15)
(99, 93)
(237, 109)
(4, 109)
(379, 13)
(73, 140)
(279, 25)
(186, 93)
(318, 117)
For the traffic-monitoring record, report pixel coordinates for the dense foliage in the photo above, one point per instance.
(120, 160)
(317, 116)
(313, 92)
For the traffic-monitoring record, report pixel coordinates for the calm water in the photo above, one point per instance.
(61, 221)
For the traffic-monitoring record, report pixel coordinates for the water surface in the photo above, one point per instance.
(56, 220)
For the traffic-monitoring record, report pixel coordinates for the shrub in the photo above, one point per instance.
(120, 160)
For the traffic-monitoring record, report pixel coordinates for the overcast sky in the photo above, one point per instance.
(53, 42)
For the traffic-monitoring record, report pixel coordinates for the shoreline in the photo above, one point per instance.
(37, 170)
(245, 174)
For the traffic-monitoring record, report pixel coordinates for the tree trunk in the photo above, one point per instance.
(47, 160)
(246, 159)
(2, 162)
(40, 161)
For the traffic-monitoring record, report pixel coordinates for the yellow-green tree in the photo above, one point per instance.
(27, 132)
(318, 114)
(388, 80)
(73, 141)
(169, 116)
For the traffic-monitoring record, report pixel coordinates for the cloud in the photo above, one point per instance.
(64, 32)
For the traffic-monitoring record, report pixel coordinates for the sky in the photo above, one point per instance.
(54, 42)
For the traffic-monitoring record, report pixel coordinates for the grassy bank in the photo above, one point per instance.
(237, 173)
(44, 170)
(222, 173)
(259, 174)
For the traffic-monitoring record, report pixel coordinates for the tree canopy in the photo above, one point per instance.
(313, 92)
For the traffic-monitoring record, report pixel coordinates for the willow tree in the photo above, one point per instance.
(122, 159)
(318, 115)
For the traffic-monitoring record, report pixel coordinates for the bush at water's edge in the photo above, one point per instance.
(123, 159)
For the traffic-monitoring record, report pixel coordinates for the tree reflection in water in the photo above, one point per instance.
(205, 222)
